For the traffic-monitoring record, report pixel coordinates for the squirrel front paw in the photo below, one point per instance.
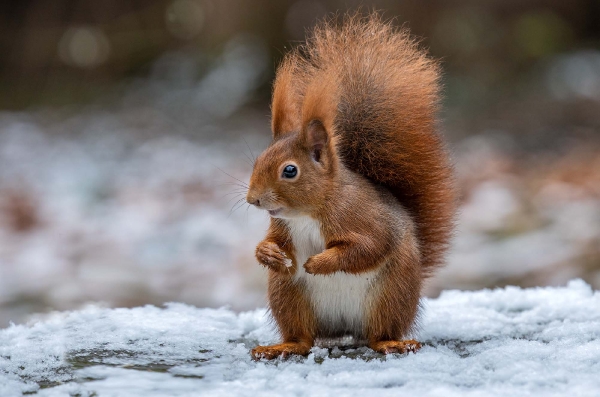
(319, 264)
(270, 255)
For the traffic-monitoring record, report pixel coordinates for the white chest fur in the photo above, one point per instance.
(339, 299)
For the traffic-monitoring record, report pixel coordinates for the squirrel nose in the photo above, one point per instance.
(253, 200)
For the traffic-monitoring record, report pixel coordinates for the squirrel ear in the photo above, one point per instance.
(316, 138)
(285, 104)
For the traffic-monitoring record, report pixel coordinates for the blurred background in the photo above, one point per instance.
(125, 126)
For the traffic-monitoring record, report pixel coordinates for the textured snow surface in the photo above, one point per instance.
(543, 341)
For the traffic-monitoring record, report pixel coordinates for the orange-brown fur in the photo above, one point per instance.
(354, 109)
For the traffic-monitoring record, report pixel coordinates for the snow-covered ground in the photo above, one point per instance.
(541, 341)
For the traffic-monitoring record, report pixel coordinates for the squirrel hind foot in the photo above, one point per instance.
(394, 346)
(283, 349)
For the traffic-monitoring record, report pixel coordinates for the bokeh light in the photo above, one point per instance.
(184, 18)
(84, 47)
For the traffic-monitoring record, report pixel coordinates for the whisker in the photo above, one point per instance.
(234, 197)
(239, 189)
(231, 176)
(238, 207)
(247, 208)
(230, 184)
(232, 210)
(253, 156)
(233, 184)
(250, 160)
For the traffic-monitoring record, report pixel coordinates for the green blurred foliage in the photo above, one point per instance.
(541, 33)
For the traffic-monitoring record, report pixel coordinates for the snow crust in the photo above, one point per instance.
(542, 341)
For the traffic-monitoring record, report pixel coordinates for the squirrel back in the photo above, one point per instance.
(372, 85)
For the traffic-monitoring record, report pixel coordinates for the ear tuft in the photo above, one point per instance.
(317, 138)
(285, 104)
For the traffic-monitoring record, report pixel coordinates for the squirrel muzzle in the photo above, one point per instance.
(253, 199)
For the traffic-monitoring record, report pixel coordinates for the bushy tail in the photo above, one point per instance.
(387, 94)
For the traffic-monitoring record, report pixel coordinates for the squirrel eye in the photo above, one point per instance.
(290, 171)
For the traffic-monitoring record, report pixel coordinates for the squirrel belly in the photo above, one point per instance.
(339, 300)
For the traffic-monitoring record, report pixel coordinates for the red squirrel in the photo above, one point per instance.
(358, 186)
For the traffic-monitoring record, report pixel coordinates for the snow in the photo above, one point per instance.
(511, 341)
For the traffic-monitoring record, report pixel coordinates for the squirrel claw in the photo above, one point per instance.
(317, 265)
(312, 266)
(309, 269)
(270, 255)
(392, 346)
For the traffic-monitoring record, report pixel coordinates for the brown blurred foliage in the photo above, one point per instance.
(20, 210)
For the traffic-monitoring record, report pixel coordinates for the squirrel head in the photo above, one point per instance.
(296, 173)
(293, 176)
